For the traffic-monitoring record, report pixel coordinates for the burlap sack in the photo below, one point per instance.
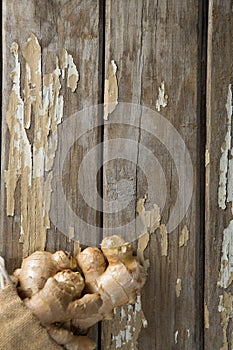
(19, 328)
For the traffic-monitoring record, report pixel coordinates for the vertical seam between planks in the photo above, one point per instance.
(102, 43)
(201, 141)
(1, 122)
(1, 66)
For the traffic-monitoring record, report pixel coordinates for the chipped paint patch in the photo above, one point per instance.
(162, 98)
(184, 237)
(40, 111)
(224, 160)
(110, 90)
(207, 157)
(226, 270)
(225, 308)
(128, 321)
(207, 317)
(150, 220)
(176, 336)
(164, 239)
(178, 287)
(67, 63)
(230, 181)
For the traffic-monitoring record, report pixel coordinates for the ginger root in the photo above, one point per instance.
(57, 295)
(69, 340)
(38, 267)
(118, 284)
(57, 301)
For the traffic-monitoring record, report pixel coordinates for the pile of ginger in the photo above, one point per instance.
(69, 295)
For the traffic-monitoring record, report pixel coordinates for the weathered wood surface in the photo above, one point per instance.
(150, 43)
(154, 42)
(219, 179)
(58, 25)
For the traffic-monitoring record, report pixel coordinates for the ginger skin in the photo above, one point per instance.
(71, 342)
(38, 267)
(58, 300)
(59, 296)
(118, 284)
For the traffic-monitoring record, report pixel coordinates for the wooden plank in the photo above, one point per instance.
(41, 31)
(69, 25)
(150, 43)
(219, 231)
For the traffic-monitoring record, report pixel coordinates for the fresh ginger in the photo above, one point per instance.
(118, 284)
(57, 295)
(58, 300)
(38, 267)
(70, 341)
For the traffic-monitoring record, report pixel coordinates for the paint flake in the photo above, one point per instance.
(184, 237)
(176, 336)
(67, 64)
(226, 270)
(164, 240)
(128, 321)
(110, 90)
(207, 157)
(162, 98)
(225, 308)
(207, 316)
(178, 287)
(224, 160)
(73, 74)
(150, 221)
(45, 111)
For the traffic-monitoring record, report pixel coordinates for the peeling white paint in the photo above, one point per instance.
(230, 181)
(150, 218)
(226, 270)
(207, 157)
(162, 98)
(150, 221)
(224, 160)
(176, 336)
(184, 237)
(73, 74)
(225, 308)
(221, 308)
(164, 240)
(20, 148)
(178, 287)
(207, 317)
(15, 74)
(129, 320)
(110, 90)
(45, 111)
(67, 63)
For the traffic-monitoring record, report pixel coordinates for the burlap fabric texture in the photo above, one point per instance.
(19, 328)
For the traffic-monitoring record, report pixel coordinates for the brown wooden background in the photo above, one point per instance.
(187, 45)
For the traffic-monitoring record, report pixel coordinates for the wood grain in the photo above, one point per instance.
(75, 26)
(218, 332)
(152, 42)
